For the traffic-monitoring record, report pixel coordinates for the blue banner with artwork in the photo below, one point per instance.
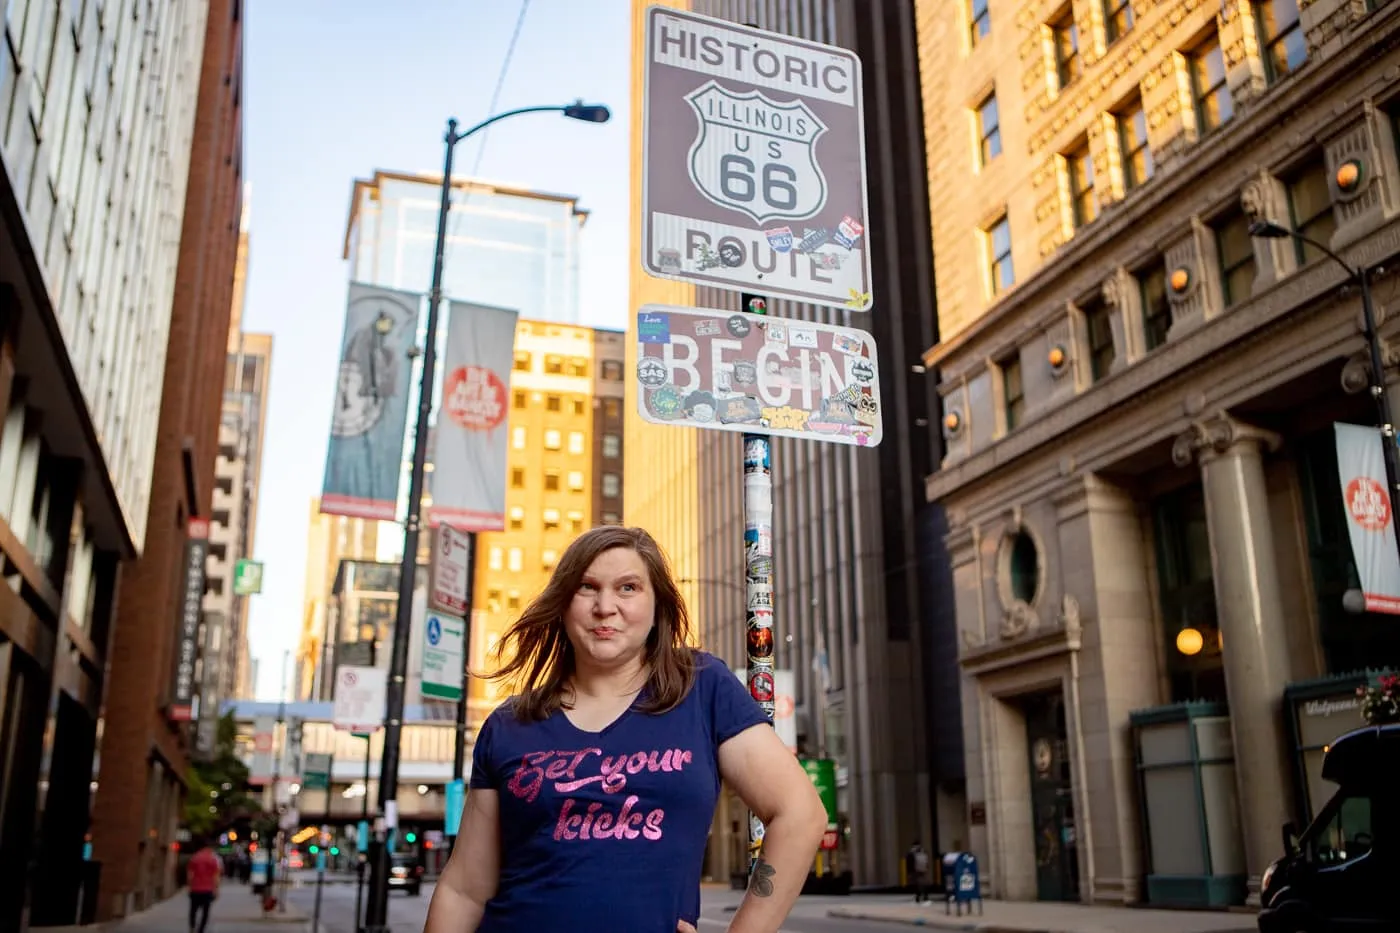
(365, 456)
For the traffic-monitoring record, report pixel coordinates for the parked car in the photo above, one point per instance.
(1337, 875)
(406, 871)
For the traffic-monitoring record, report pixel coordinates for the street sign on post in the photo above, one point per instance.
(247, 577)
(444, 660)
(753, 165)
(705, 368)
(359, 699)
(316, 775)
(448, 574)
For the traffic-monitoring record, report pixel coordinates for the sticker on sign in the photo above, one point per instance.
(706, 368)
(753, 167)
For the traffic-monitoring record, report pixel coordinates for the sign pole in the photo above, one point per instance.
(459, 748)
(758, 574)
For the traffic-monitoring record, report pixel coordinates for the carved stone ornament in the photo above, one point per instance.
(1070, 619)
(1111, 291)
(1356, 374)
(1216, 435)
(1253, 199)
(1018, 619)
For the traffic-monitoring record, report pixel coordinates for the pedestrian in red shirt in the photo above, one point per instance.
(202, 875)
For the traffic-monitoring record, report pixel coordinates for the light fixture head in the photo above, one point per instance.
(383, 324)
(1269, 230)
(1190, 641)
(952, 421)
(1057, 356)
(1348, 176)
(588, 113)
(1180, 279)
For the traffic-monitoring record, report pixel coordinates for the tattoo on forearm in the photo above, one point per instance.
(761, 880)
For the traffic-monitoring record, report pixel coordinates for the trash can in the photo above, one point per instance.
(961, 882)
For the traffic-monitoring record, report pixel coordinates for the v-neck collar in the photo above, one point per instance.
(617, 720)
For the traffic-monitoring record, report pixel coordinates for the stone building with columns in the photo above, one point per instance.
(1147, 529)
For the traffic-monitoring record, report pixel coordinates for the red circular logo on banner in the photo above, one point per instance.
(474, 397)
(1368, 504)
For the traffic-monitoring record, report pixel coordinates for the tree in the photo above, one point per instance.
(217, 790)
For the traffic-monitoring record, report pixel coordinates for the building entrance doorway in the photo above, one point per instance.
(1052, 798)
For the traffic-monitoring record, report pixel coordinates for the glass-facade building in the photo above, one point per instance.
(506, 247)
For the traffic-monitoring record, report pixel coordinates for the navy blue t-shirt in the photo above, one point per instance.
(606, 830)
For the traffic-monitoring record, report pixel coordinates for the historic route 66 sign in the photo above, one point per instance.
(757, 156)
(753, 162)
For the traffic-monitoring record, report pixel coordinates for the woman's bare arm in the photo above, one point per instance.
(471, 875)
(769, 780)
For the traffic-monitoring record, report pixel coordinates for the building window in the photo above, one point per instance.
(1281, 37)
(1023, 568)
(551, 480)
(1081, 185)
(612, 446)
(612, 408)
(1117, 19)
(554, 365)
(612, 371)
(513, 601)
(552, 402)
(1156, 307)
(517, 518)
(1310, 209)
(1013, 392)
(517, 477)
(612, 485)
(611, 518)
(548, 558)
(1236, 254)
(551, 519)
(520, 398)
(988, 129)
(1099, 329)
(998, 244)
(980, 21)
(576, 480)
(495, 560)
(1214, 105)
(517, 438)
(576, 522)
(493, 600)
(576, 442)
(517, 559)
(578, 406)
(1067, 62)
(578, 367)
(1138, 166)
(553, 440)
(522, 361)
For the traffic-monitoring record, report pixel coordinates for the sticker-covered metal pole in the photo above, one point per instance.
(758, 573)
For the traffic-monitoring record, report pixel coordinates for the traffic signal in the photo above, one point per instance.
(410, 837)
(315, 848)
(335, 850)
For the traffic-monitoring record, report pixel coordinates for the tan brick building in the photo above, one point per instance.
(1138, 399)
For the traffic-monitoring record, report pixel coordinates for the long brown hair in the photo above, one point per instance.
(536, 657)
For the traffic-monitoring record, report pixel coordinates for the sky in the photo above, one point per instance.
(335, 89)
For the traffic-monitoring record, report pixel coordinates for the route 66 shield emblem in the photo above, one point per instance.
(755, 155)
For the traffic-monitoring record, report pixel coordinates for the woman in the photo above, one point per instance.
(593, 788)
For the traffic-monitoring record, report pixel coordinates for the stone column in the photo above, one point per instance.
(1250, 612)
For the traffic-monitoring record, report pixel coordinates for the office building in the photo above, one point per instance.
(330, 539)
(506, 247)
(96, 137)
(857, 568)
(1146, 523)
(148, 731)
(564, 472)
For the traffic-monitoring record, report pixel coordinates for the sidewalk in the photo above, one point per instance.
(1020, 917)
(235, 911)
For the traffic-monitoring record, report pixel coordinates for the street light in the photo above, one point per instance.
(1361, 275)
(377, 909)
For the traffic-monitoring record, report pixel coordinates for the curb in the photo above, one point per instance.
(936, 923)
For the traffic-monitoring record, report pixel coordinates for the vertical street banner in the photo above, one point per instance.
(264, 733)
(365, 455)
(1366, 496)
(190, 608)
(753, 162)
(470, 438)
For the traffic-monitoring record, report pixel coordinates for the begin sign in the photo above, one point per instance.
(706, 368)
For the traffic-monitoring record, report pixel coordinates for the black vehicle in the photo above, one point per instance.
(1339, 875)
(406, 872)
